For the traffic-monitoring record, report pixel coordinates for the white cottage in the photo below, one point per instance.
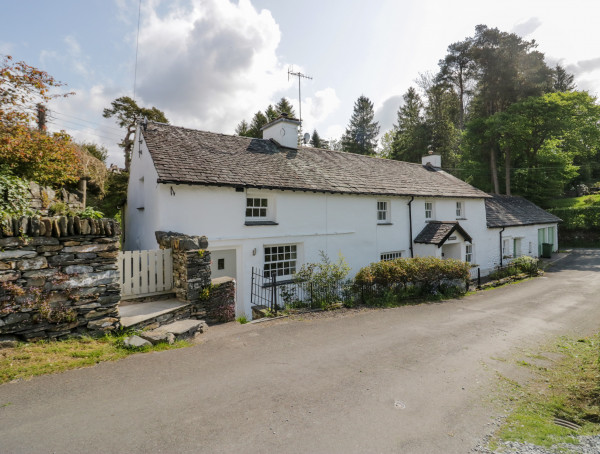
(267, 204)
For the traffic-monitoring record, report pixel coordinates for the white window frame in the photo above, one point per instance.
(429, 210)
(469, 253)
(506, 247)
(257, 208)
(383, 212)
(283, 258)
(460, 209)
(391, 255)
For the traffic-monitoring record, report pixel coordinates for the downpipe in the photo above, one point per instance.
(410, 225)
(503, 228)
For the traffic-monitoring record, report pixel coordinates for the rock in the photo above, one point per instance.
(156, 337)
(42, 228)
(89, 280)
(85, 227)
(136, 342)
(78, 269)
(95, 247)
(11, 242)
(62, 224)
(182, 329)
(43, 241)
(23, 225)
(61, 259)
(7, 227)
(42, 249)
(107, 323)
(86, 255)
(19, 254)
(70, 231)
(40, 273)
(35, 226)
(55, 228)
(9, 276)
(32, 264)
(47, 227)
(16, 317)
(8, 341)
(7, 266)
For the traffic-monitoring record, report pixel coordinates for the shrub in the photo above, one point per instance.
(526, 264)
(60, 209)
(391, 281)
(584, 217)
(323, 279)
(91, 213)
(14, 195)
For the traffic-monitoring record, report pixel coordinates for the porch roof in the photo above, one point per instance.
(438, 232)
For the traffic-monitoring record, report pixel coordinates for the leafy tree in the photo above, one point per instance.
(563, 81)
(127, 112)
(361, 134)
(386, 143)
(335, 145)
(98, 151)
(412, 136)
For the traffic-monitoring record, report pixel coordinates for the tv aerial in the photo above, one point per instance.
(300, 76)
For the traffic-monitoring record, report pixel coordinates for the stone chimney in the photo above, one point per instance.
(432, 160)
(283, 130)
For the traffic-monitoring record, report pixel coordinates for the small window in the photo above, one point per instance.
(386, 256)
(428, 210)
(280, 260)
(460, 211)
(221, 264)
(256, 207)
(506, 248)
(469, 253)
(383, 214)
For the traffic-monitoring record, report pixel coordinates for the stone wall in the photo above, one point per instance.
(213, 300)
(41, 198)
(58, 276)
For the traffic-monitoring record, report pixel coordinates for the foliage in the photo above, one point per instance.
(242, 320)
(15, 195)
(563, 81)
(60, 209)
(90, 213)
(405, 277)
(317, 141)
(115, 194)
(411, 138)
(126, 111)
(323, 278)
(520, 265)
(34, 155)
(97, 151)
(362, 131)
(586, 217)
(93, 164)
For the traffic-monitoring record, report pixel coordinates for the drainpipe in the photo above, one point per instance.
(503, 228)
(410, 225)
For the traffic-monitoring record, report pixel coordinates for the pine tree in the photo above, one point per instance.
(361, 134)
(317, 142)
(271, 113)
(242, 129)
(412, 136)
(284, 106)
(258, 121)
(563, 81)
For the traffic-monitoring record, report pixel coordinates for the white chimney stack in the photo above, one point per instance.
(283, 130)
(433, 160)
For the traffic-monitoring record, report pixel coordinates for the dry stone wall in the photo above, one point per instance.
(41, 198)
(58, 277)
(212, 300)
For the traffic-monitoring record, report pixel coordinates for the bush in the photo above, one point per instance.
(323, 280)
(90, 213)
(14, 195)
(60, 209)
(394, 280)
(526, 264)
(584, 217)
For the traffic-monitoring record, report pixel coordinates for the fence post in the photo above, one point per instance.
(311, 294)
(478, 277)
(274, 292)
(252, 287)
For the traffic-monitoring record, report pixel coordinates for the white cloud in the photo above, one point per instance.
(528, 27)
(387, 113)
(318, 108)
(208, 64)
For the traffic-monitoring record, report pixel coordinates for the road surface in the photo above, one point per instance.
(406, 380)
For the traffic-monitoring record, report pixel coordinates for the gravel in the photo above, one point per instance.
(587, 445)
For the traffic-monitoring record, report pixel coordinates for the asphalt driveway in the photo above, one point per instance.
(407, 380)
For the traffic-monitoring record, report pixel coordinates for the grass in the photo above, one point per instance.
(569, 390)
(28, 360)
(577, 202)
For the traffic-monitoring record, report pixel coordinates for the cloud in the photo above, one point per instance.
(528, 27)
(584, 66)
(208, 64)
(6, 48)
(387, 113)
(316, 109)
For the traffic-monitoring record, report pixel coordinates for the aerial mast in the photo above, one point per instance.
(300, 76)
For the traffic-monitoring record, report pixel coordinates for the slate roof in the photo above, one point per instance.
(187, 156)
(438, 232)
(510, 211)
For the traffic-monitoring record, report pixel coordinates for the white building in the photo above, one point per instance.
(267, 204)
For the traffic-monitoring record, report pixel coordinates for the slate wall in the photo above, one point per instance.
(58, 277)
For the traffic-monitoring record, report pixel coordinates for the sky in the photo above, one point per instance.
(208, 64)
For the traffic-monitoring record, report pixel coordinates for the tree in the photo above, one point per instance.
(318, 142)
(242, 129)
(31, 153)
(411, 137)
(127, 112)
(258, 121)
(563, 81)
(284, 106)
(271, 113)
(361, 134)
(386, 143)
(98, 151)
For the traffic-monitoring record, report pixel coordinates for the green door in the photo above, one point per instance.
(541, 239)
(550, 238)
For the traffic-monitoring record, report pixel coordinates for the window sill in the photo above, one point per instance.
(385, 223)
(261, 223)
(461, 219)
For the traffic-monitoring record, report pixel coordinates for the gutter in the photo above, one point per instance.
(503, 229)
(410, 225)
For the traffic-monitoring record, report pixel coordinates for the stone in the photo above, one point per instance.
(23, 225)
(47, 227)
(92, 223)
(40, 273)
(35, 226)
(62, 224)
(95, 247)
(89, 280)
(7, 266)
(42, 249)
(76, 225)
(35, 282)
(6, 276)
(32, 264)
(182, 329)
(43, 241)
(70, 231)
(156, 337)
(85, 227)
(109, 255)
(35, 190)
(57, 297)
(203, 242)
(61, 259)
(86, 255)
(109, 299)
(89, 306)
(7, 227)
(71, 243)
(16, 317)
(11, 242)
(8, 341)
(78, 269)
(136, 342)
(55, 228)
(18, 254)
(107, 323)
(42, 228)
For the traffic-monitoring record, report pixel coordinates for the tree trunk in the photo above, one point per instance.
(494, 171)
(507, 170)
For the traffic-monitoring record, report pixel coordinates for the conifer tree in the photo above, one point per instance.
(361, 134)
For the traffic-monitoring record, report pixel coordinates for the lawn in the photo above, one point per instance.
(577, 202)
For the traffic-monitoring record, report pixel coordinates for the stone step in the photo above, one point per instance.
(182, 329)
(153, 313)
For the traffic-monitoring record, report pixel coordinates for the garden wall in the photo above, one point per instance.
(58, 276)
(212, 299)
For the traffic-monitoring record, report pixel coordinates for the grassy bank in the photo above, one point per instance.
(30, 359)
(569, 390)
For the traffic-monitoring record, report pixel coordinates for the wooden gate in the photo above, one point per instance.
(145, 273)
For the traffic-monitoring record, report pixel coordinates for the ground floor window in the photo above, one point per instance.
(280, 260)
(469, 253)
(385, 256)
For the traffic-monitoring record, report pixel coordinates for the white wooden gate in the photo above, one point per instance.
(145, 273)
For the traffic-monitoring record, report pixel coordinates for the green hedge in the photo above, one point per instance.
(578, 218)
